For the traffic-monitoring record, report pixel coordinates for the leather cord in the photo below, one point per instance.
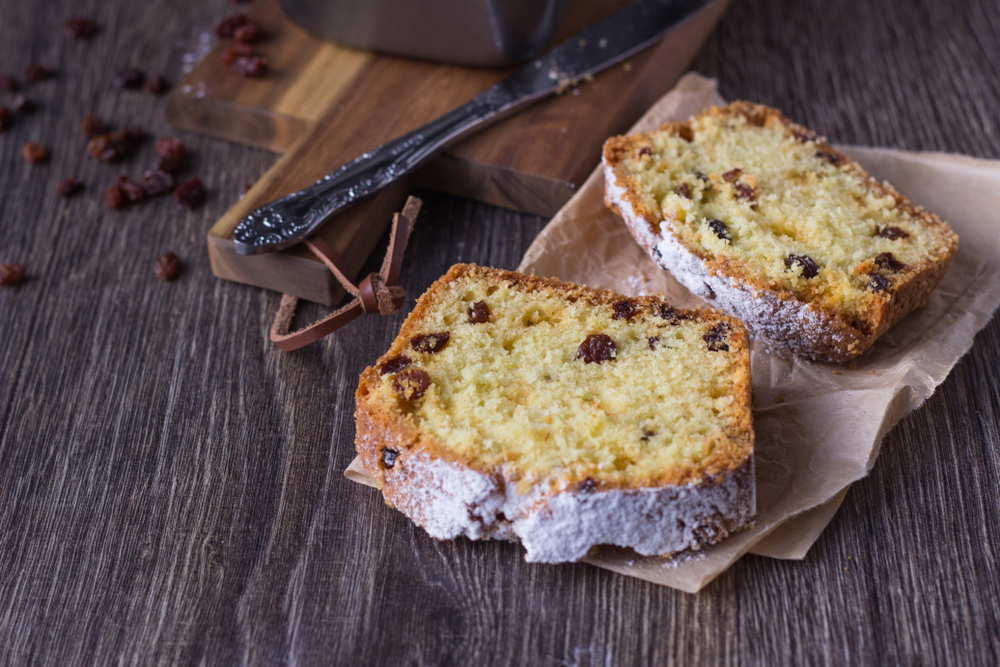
(376, 293)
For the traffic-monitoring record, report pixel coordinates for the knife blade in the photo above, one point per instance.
(286, 221)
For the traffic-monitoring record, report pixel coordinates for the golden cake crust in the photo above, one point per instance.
(447, 492)
(841, 336)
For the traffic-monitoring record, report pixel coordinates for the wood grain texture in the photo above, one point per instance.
(530, 162)
(171, 486)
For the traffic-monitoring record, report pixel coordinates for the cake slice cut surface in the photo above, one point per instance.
(514, 407)
(763, 219)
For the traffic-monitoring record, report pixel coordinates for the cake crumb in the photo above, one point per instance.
(836, 372)
(871, 372)
(780, 399)
(853, 365)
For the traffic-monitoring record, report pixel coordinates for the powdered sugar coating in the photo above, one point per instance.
(448, 500)
(780, 320)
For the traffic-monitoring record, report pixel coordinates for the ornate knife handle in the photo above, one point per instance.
(286, 221)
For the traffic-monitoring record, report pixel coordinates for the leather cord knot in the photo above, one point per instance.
(377, 293)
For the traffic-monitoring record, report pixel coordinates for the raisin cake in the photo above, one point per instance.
(519, 408)
(763, 219)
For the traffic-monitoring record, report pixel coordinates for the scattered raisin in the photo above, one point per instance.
(132, 191)
(878, 283)
(430, 343)
(156, 182)
(828, 154)
(79, 27)
(684, 190)
(11, 275)
(9, 83)
(155, 85)
(166, 267)
(389, 457)
(227, 26)
(745, 191)
(248, 33)
(250, 66)
(230, 55)
(34, 73)
(653, 341)
(6, 118)
(645, 150)
(34, 152)
(720, 229)
(69, 187)
(624, 309)
(891, 233)
(130, 78)
(24, 104)
(411, 383)
(587, 486)
(597, 348)
(732, 175)
(671, 314)
(716, 338)
(809, 267)
(113, 198)
(394, 364)
(92, 125)
(112, 146)
(478, 312)
(171, 146)
(190, 193)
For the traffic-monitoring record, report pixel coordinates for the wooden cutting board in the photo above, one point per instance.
(321, 105)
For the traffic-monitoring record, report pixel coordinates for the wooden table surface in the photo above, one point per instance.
(171, 487)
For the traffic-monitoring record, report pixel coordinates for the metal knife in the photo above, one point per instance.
(286, 221)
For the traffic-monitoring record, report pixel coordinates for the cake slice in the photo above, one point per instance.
(519, 408)
(760, 217)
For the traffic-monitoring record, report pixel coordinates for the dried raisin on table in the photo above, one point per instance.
(23, 104)
(624, 309)
(132, 191)
(478, 312)
(190, 193)
(250, 66)
(597, 348)
(69, 187)
(113, 198)
(394, 364)
(6, 118)
(92, 125)
(248, 33)
(156, 182)
(411, 383)
(225, 28)
(11, 275)
(230, 55)
(80, 27)
(166, 267)
(35, 72)
(155, 85)
(34, 152)
(113, 146)
(808, 265)
(129, 78)
(430, 343)
(171, 152)
(9, 83)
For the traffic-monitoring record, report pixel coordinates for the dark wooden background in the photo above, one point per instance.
(171, 485)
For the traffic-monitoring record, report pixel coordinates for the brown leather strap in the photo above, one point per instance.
(377, 293)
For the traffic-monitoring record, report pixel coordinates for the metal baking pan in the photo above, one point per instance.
(480, 33)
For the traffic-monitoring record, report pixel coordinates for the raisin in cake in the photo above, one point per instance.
(763, 219)
(514, 407)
